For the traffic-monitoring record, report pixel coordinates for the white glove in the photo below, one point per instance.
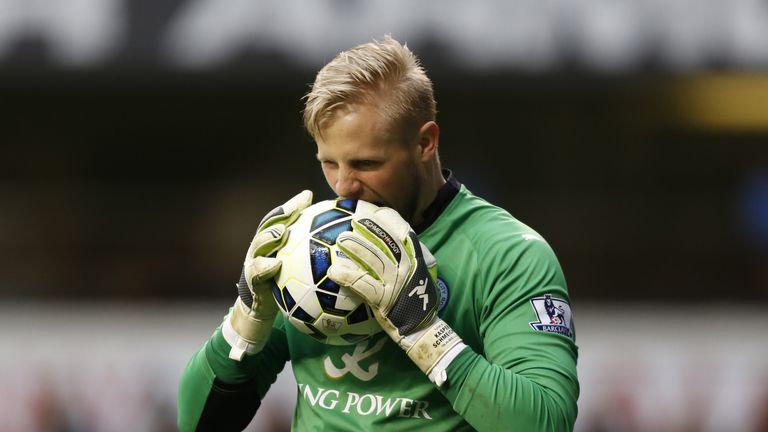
(249, 324)
(393, 276)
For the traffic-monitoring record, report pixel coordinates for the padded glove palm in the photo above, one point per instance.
(248, 326)
(396, 275)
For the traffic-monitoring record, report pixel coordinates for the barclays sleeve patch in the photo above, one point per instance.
(553, 314)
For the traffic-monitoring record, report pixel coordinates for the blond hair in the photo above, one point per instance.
(384, 73)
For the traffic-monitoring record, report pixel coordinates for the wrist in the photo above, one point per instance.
(426, 348)
(246, 331)
(439, 374)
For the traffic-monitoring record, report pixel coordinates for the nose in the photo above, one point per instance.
(347, 184)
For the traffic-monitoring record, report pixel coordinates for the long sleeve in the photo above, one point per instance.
(521, 374)
(217, 393)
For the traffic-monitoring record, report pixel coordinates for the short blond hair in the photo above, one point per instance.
(384, 73)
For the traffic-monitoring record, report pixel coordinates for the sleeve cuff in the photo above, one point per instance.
(438, 374)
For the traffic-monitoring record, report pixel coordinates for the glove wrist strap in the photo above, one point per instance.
(438, 375)
(244, 332)
(427, 347)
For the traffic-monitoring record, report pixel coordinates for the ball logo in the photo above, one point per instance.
(331, 324)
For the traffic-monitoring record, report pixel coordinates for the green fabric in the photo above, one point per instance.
(193, 391)
(511, 377)
(212, 361)
(515, 378)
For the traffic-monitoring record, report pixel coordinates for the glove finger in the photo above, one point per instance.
(359, 281)
(295, 205)
(364, 253)
(287, 213)
(266, 242)
(392, 220)
(260, 269)
(369, 229)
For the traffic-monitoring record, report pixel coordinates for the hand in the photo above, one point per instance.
(393, 276)
(249, 324)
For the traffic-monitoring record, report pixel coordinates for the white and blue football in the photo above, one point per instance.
(310, 301)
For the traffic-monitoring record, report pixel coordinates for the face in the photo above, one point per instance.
(361, 160)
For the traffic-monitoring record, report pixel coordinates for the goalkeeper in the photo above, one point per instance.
(488, 344)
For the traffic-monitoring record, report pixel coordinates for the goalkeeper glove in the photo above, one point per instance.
(249, 324)
(393, 276)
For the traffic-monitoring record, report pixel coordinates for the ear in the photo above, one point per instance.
(429, 137)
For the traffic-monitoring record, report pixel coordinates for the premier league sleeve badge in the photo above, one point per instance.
(553, 315)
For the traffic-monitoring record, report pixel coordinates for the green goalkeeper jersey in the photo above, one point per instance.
(503, 292)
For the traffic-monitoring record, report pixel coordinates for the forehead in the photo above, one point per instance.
(355, 128)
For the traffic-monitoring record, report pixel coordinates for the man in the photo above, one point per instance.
(471, 349)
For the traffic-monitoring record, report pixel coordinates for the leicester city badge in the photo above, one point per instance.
(554, 315)
(444, 293)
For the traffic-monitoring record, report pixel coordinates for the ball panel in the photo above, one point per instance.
(329, 285)
(347, 204)
(327, 217)
(320, 260)
(295, 264)
(327, 301)
(328, 304)
(278, 296)
(302, 315)
(296, 237)
(347, 299)
(358, 315)
(289, 301)
(329, 233)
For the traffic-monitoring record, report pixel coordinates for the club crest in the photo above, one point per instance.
(554, 315)
(444, 293)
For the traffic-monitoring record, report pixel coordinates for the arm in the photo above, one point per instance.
(524, 379)
(218, 393)
(222, 386)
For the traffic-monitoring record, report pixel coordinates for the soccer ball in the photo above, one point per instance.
(312, 302)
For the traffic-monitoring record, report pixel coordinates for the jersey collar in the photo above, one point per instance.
(444, 196)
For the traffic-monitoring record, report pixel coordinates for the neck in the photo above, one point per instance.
(431, 186)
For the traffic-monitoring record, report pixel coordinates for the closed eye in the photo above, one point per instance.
(328, 164)
(366, 164)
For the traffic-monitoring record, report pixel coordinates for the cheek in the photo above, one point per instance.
(330, 177)
(400, 185)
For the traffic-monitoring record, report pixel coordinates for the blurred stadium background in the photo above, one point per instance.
(142, 141)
